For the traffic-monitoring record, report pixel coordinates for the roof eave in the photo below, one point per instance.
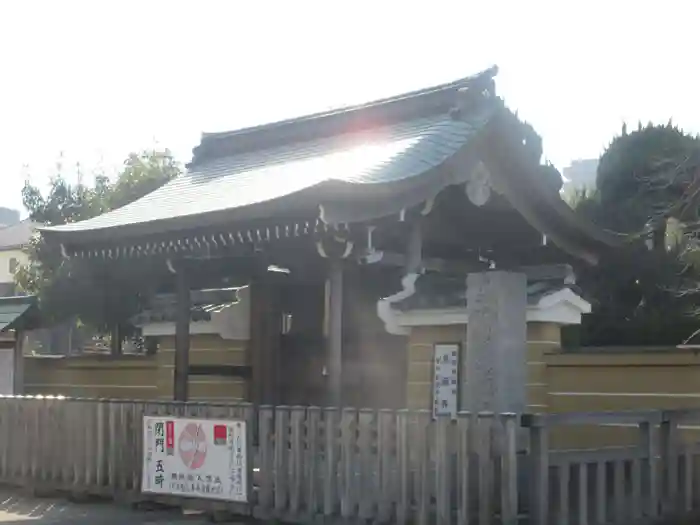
(519, 179)
(28, 316)
(383, 199)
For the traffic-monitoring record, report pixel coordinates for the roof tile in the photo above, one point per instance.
(436, 290)
(384, 155)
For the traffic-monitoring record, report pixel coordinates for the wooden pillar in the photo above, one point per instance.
(182, 336)
(256, 348)
(264, 351)
(335, 332)
(115, 344)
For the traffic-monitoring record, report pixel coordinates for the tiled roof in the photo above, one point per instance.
(379, 143)
(17, 312)
(437, 290)
(17, 235)
(388, 154)
(332, 169)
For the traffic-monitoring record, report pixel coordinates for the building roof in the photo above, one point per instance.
(436, 299)
(393, 153)
(377, 144)
(17, 235)
(439, 290)
(337, 168)
(18, 313)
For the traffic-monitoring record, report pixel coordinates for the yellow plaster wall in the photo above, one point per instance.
(542, 338)
(139, 377)
(617, 379)
(91, 376)
(209, 350)
(586, 380)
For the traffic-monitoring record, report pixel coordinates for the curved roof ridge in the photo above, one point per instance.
(389, 110)
(485, 75)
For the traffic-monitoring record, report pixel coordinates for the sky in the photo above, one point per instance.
(85, 82)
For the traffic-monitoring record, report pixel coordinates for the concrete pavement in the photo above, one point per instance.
(18, 509)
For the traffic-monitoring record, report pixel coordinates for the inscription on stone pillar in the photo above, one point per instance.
(495, 358)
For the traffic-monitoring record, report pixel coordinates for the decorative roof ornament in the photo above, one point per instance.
(333, 249)
(479, 88)
(478, 188)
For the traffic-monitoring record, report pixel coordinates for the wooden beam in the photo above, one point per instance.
(335, 332)
(215, 296)
(543, 272)
(182, 336)
(385, 258)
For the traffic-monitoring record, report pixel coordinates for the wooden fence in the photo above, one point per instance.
(308, 463)
(658, 477)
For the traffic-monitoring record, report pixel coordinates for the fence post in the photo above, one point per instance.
(296, 459)
(331, 464)
(348, 448)
(403, 494)
(669, 463)
(281, 458)
(649, 443)
(368, 488)
(312, 460)
(484, 463)
(443, 469)
(464, 448)
(265, 437)
(509, 468)
(387, 463)
(539, 468)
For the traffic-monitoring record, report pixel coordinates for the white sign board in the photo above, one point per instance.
(199, 458)
(445, 380)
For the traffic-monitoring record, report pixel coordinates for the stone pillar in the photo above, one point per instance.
(494, 367)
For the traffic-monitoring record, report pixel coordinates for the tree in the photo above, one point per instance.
(101, 296)
(633, 175)
(644, 293)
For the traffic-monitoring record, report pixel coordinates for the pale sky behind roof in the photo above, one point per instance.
(94, 80)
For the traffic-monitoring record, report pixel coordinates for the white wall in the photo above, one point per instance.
(5, 257)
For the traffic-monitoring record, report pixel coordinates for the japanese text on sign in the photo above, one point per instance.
(446, 376)
(196, 458)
